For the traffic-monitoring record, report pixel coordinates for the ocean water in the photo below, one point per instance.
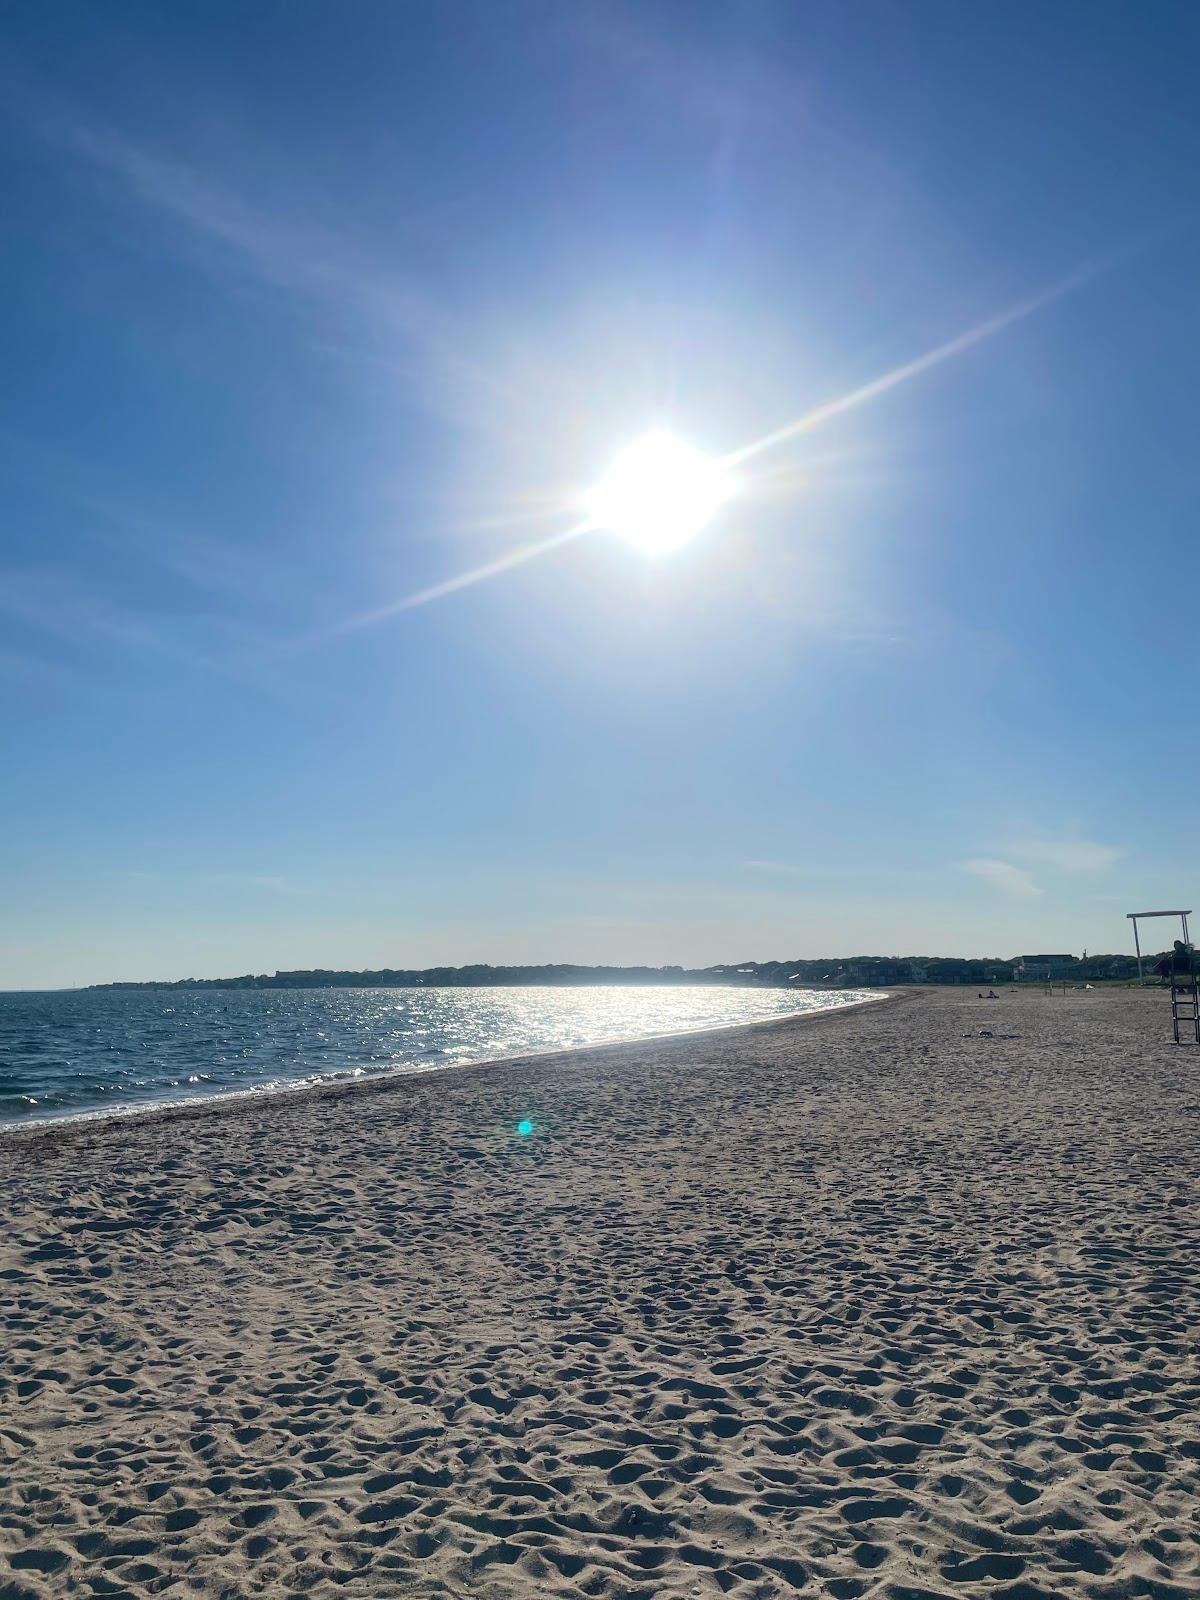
(79, 1053)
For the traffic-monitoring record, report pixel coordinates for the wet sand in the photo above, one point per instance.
(866, 1305)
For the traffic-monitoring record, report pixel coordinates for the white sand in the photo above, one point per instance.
(856, 1306)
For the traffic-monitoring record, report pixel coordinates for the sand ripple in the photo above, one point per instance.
(855, 1307)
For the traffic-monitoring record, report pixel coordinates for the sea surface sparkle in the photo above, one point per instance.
(80, 1052)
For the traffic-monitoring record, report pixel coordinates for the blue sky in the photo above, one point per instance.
(305, 309)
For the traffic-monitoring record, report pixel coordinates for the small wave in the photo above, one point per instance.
(103, 1054)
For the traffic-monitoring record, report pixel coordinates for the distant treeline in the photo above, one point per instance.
(859, 972)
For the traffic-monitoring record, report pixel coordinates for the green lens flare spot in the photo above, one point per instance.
(525, 1127)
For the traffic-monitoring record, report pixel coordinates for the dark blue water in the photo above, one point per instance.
(78, 1052)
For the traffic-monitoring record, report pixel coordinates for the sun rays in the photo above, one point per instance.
(660, 490)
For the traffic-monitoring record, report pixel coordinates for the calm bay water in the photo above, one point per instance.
(76, 1053)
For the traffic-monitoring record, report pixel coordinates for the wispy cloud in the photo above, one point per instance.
(1067, 855)
(273, 883)
(401, 321)
(231, 570)
(1003, 875)
(779, 869)
(292, 255)
(57, 604)
(23, 667)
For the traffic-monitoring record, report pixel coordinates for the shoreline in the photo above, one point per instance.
(154, 1113)
(892, 1303)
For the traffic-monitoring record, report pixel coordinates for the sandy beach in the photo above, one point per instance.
(871, 1305)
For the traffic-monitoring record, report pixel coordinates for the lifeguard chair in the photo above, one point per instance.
(1183, 974)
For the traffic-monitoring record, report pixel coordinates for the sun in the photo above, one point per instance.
(659, 492)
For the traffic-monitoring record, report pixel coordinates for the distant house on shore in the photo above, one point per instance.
(1053, 966)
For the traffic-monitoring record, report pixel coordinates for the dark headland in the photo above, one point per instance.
(834, 971)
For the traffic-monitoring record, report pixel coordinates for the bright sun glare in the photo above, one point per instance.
(658, 493)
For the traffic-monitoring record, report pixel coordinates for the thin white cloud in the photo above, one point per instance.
(57, 603)
(218, 566)
(1067, 855)
(396, 316)
(782, 869)
(271, 883)
(23, 667)
(290, 255)
(274, 882)
(1003, 875)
